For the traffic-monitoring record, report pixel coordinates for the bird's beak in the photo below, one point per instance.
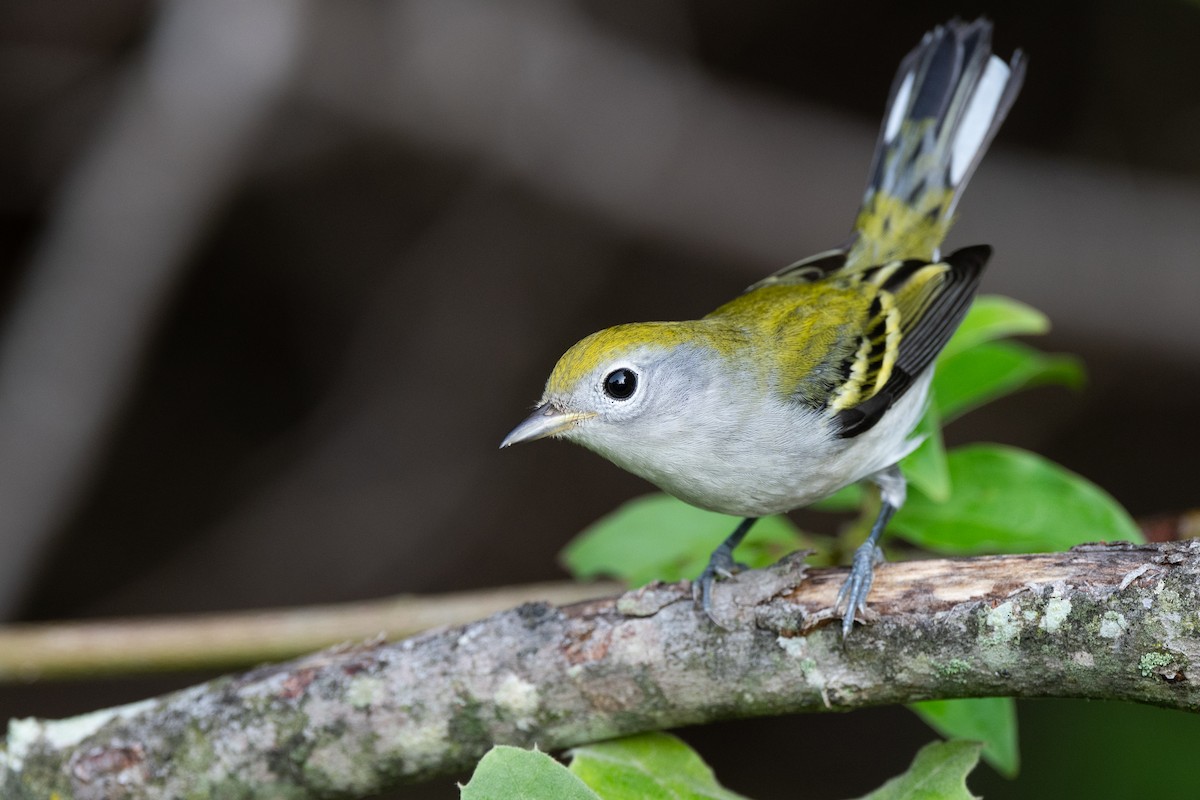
(546, 420)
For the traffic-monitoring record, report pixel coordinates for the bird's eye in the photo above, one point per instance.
(620, 384)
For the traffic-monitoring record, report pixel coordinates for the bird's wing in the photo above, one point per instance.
(915, 309)
(808, 270)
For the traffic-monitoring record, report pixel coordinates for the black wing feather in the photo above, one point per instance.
(925, 340)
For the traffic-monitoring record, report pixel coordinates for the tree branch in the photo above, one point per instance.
(57, 650)
(1114, 622)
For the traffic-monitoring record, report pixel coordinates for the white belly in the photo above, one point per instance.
(781, 458)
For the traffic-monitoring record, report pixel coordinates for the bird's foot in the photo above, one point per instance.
(853, 595)
(720, 566)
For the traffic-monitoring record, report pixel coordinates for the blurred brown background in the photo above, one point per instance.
(279, 275)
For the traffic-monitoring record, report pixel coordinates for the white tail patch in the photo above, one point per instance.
(977, 120)
(899, 108)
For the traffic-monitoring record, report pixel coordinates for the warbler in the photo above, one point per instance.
(815, 377)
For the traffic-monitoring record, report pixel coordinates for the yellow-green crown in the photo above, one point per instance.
(611, 344)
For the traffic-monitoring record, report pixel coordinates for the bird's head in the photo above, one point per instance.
(632, 391)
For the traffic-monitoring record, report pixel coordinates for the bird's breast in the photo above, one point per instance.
(766, 456)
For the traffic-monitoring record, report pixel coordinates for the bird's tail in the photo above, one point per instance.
(947, 102)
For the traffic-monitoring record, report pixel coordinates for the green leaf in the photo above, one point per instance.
(848, 498)
(939, 772)
(925, 468)
(993, 369)
(651, 766)
(991, 720)
(657, 537)
(994, 317)
(510, 773)
(1007, 500)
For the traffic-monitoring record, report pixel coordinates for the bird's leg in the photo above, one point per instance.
(720, 565)
(853, 594)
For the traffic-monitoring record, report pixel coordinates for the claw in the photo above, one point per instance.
(862, 572)
(853, 594)
(720, 567)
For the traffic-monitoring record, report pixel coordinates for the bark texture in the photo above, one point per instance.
(1113, 622)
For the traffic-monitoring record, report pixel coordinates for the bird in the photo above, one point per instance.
(815, 377)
